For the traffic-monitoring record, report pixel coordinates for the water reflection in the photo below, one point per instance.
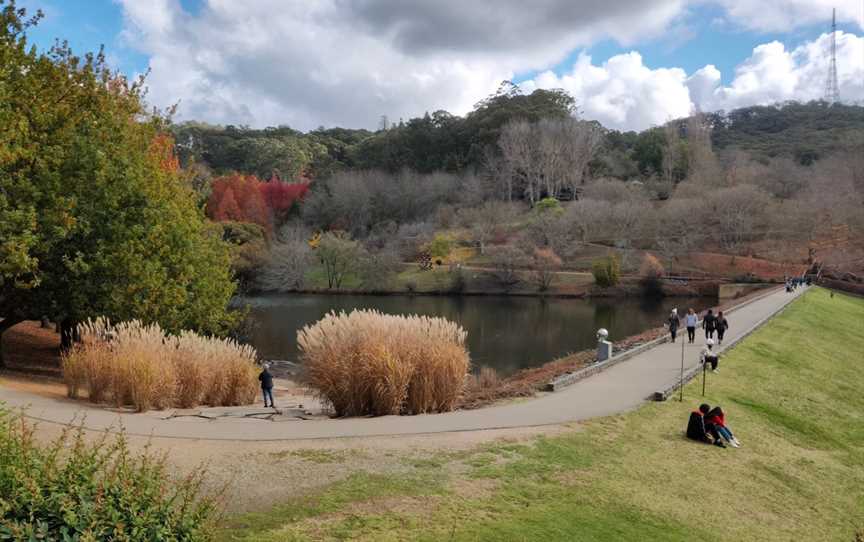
(508, 333)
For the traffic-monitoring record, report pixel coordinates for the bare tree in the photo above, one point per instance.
(544, 264)
(487, 220)
(507, 260)
(737, 211)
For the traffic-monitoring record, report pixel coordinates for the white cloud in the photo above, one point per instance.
(346, 62)
(623, 93)
(784, 15)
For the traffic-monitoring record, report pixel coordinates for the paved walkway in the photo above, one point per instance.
(620, 388)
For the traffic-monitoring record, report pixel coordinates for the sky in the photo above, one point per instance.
(630, 64)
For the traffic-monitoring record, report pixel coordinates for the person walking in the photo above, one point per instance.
(690, 320)
(722, 325)
(710, 356)
(673, 324)
(709, 324)
(266, 380)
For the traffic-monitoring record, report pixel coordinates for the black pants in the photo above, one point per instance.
(709, 332)
(691, 334)
(713, 360)
(720, 333)
(674, 332)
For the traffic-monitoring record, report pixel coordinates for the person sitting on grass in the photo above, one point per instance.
(267, 385)
(718, 418)
(710, 356)
(699, 430)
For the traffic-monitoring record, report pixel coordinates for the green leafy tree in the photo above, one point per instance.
(339, 255)
(606, 271)
(95, 218)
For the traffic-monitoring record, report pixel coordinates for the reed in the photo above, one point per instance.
(369, 363)
(139, 365)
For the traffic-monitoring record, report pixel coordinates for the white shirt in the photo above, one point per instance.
(691, 320)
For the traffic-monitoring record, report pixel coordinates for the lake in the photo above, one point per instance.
(505, 332)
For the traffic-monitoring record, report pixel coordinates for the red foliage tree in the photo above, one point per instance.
(245, 198)
(281, 196)
(238, 198)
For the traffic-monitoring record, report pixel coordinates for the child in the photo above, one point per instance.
(718, 419)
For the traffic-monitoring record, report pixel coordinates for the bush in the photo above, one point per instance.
(71, 490)
(366, 362)
(606, 271)
(440, 247)
(135, 364)
(458, 281)
(651, 272)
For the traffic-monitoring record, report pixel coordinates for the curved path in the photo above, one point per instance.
(620, 388)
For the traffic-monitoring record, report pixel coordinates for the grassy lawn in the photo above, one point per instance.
(792, 393)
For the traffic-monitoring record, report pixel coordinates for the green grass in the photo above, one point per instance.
(793, 395)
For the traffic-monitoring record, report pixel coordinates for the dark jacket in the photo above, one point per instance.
(709, 322)
(696, 427)
(721, 324)
(673, 323)
(266, 380)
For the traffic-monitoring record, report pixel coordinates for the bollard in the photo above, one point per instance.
(604, 347)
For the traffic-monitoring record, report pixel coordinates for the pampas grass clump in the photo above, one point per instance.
(366, 362)
(131, 363)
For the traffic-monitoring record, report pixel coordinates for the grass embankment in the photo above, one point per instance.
(792, 392)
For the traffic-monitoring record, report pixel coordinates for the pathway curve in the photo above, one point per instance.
(618, 389)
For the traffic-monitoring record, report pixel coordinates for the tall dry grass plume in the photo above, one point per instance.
(366, 362)
(133, 364)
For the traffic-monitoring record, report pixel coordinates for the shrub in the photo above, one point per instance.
(458, 281)
(366, 362)
(651, 272)
(606, 271)
(440, 247)
(135, 364)
(72, 490)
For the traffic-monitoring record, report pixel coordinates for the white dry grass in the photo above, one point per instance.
(136, 364)
(366, 362)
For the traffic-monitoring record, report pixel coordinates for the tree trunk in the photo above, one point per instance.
(5, 325)
(67, 334)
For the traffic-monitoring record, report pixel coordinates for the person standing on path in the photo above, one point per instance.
(710, 356)
(673, 324)
(709, 324)
(690, 320)
(266, 380)
(722, 325)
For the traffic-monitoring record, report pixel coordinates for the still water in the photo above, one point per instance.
(507, 333)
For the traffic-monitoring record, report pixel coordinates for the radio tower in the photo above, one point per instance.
(832, 89)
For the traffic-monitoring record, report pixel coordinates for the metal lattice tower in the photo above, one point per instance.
(832, 89)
